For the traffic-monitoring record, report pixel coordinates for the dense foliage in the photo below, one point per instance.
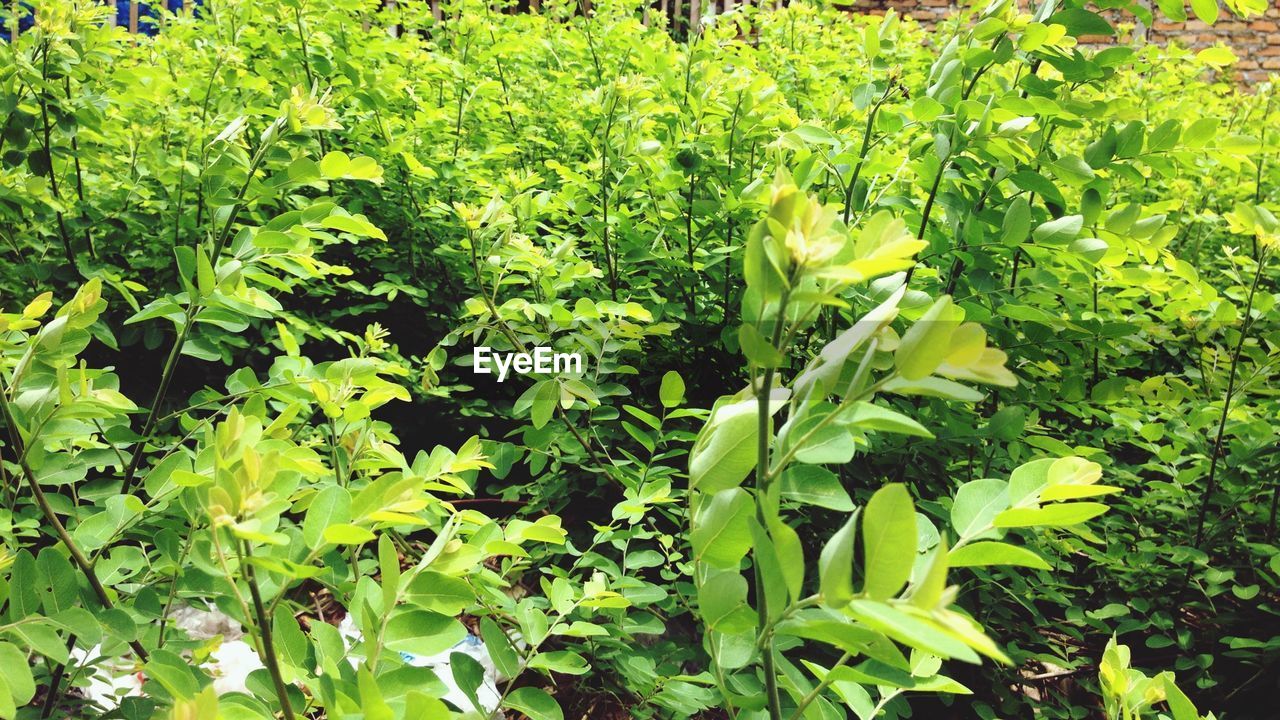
(927, 371)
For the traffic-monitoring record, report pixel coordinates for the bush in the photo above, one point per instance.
(901, 347)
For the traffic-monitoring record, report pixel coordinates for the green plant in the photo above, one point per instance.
(283, 228)
(1129, 694)
(798, 259)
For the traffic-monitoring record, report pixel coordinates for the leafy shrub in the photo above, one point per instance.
(869, 313)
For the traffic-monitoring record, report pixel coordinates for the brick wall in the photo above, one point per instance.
(1255, 41)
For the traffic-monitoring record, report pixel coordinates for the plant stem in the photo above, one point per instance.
(817, 690)
(729, 224)
(688, 229)
(302, 40)
(193, 308)
(862, 153)
(264, 632)
(37, 492)
(48, 153)
(763, 438)
(610, 263)
(75, 156)
(1212, 484)
(928, 206)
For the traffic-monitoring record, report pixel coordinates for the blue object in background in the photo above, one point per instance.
(25, 21)
(146, 15)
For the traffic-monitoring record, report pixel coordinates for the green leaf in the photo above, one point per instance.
(1008, 422)
(1205, 10)
(824, 440)
(768, 569)
(1200, 132)
(1079, 21)
(815, 485)
(910, 630)
(373, 705)
(42, 639)
(389, 564)
(1059, 231)
(438, 592)
(934, 387)
(331, 506)
(1063, 515)
(786, 543)
(1017, 222)
(535, 703)
(334, 165)
(205, 279)
(422, 633)
(354, 224)
(545, 397)
(868, 416)
(79, 622)
(8, 709)
(927, 592)
(172, 672)
(889, 541)
(990, 552)
(504, 656)
(1091, 250)
(726, 451)
(1028, 479)
(721, 535)
(304, 170)
(468, 674)
(15, 669)
(925, 344)
(347, 534)
(1179, 704)
(976, 505)
(722, 602)
(835, 565)
(757, 348)
(564, 662)
(1075, 492)
(290, 642)
(1175, 10)
(671, 393)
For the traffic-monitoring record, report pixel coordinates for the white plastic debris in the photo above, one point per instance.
(234, 660)
(205, 624)
(487, 694)
(230, 666)
(110, 680)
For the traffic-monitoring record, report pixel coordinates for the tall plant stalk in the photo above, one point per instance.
(75, 157)
(610, 261)
(1211, 485)
(863, 150)
(764, 436)
(193, 309)
(51, 517)
(47, 140)
(263, 621)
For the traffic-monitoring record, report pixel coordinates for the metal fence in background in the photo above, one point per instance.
(138, 17)
(683, 16)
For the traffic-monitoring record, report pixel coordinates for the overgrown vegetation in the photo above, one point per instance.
(927, 373)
